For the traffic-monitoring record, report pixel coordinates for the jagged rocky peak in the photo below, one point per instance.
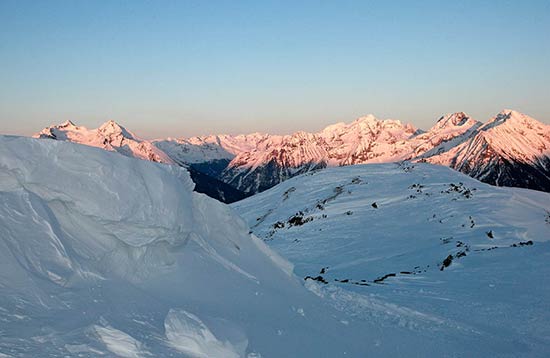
(452, 122)
(454, 119)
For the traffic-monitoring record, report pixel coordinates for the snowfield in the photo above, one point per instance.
(420, 247)
(102, 255)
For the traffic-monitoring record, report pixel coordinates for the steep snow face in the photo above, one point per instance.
(421, 247)
(512, 149)
(109, 136)
(103, 255)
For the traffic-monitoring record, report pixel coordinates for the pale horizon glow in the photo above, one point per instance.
(187, 68)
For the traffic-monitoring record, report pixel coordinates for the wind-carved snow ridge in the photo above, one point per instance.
(120, 343)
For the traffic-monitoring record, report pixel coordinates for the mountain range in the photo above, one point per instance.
(511, 149)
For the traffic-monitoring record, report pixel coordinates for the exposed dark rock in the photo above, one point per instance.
(286, 194)
(380, 279)
(523, 243)
(298, 219)
(447, 262)
(317, 278)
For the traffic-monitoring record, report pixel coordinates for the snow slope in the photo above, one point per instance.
(103, 255)
(421, 247)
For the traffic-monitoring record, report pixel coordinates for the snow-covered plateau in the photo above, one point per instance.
(102, 255)
(418, 246)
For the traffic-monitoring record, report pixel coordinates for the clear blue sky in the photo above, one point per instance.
(180, 68)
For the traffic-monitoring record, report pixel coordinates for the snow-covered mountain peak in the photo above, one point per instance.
(372, 121)
(509, 122)
(511, 149)
(59, 131)
(512, 118)
(67, 124)
(364, 125)
(369, 118)
(112, 128)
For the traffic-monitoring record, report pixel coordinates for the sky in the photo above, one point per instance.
(184, 68)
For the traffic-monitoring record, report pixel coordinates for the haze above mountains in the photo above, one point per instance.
(510, 149)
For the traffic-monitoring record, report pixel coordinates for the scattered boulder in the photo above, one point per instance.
(298, 219)
(447, 262)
